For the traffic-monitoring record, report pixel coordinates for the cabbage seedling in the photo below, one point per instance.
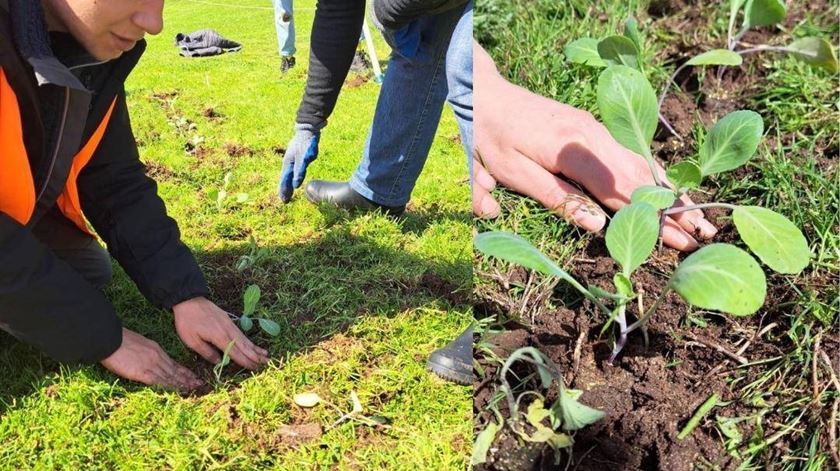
(246, 321)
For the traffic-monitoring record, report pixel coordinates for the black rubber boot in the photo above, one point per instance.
(454, 361)
(340, 194)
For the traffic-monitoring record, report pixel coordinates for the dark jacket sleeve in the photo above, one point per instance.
(46, 303)
(122, 204)
(394, 14)
(335, 35)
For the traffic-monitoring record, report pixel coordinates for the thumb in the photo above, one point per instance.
(302, 162)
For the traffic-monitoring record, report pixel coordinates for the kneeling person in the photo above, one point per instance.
(68, 156)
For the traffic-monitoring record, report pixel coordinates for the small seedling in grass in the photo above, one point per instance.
(246, 321)
(220, 195)
(626, 49)
(551, 425)
(217, 369)
(255, 255)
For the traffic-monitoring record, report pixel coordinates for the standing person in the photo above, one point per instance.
(284, 22)
(68, 157)
(431, 64)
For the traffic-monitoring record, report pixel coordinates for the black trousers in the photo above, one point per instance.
(78, 249)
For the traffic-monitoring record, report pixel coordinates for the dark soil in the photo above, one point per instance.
(648, 394)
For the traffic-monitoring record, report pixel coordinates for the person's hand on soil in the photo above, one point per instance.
(143, 360)
(208, 329)
(524, 141)
(301, 151)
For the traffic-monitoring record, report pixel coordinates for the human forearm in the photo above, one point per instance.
(335, 35)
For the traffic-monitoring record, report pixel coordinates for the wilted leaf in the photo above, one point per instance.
(269, 327)
(307, 400)
(575, 415)
(628, 108)
(252, 297)
(619, 50)
(815, 51)
(731, 142)
(717, 57)
(721, 277)
(763, 13)
(584, 51)
(632, 235)
(684, 175)
(482, 444)
(654, 195)
(773, 238)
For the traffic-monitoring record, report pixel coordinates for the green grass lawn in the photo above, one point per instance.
(794, 173)
(361, 299)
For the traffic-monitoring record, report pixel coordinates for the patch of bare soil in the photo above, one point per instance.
(648, 394)
(358, 80)
(235, 149)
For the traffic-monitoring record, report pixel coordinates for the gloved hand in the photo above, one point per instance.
(301, 151)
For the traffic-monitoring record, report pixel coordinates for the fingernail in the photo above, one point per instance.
(705, 229)
(489, 208)
(589, 218)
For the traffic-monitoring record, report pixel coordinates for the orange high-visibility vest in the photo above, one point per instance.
(17, 187)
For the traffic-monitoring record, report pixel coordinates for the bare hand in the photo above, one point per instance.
(523, 141)
(207, 329)
(142, 360)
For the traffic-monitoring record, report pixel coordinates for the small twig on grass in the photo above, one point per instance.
(720, 348)
(577, 352)
(832, 433)
(815, 367)
(830, 369)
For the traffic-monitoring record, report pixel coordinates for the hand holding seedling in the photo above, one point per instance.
(208, 330)
(524, 140)
(143, 360)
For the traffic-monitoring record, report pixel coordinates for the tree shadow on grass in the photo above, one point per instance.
(313, 290)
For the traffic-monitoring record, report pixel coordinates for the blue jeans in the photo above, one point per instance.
(410, 104)
(284, 22)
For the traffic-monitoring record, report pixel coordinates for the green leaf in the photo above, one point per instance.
(731, 142)
(619, 50)
(632, 235)
(623, 285)
(628, 108)
(695, 419)
(734, 6)
(252, 297)
(514, 249)
(242, 197)
(763, 13)
(656, 196)
(246, 323)
(684, 175)
(815, 51)
(584, 51)
(631, 31)
(717, 57)
(575, 415)
(773, 238)
(537, 413)
(721, 277)
(482, 444)
(269, 327)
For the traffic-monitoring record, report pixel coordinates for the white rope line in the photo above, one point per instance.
(243, 7)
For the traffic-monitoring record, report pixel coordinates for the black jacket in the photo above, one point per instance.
(63, 95)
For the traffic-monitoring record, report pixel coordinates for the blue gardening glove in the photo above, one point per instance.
(407, 39)
(301, 151)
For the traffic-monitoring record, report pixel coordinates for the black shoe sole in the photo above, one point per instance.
(450, 374)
